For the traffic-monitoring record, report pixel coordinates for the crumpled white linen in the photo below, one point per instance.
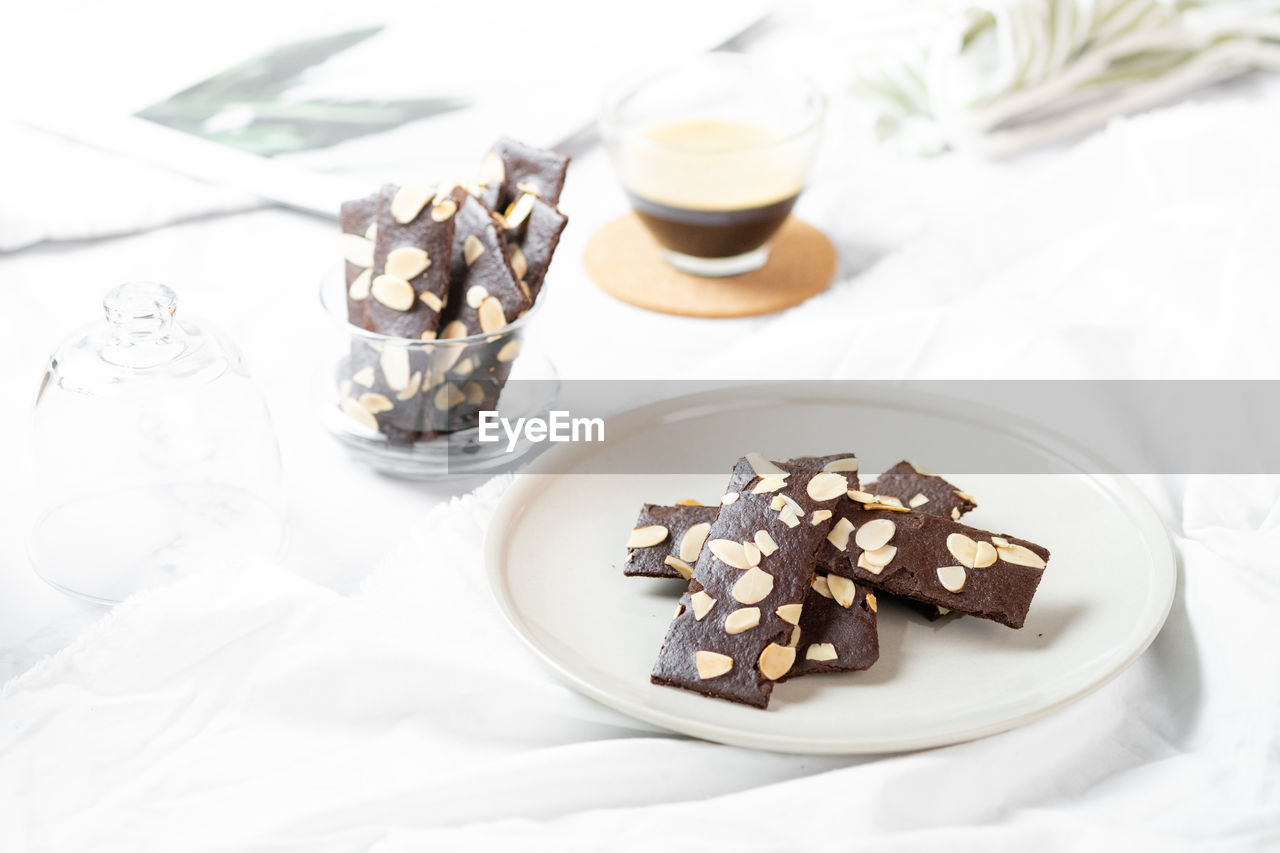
(263, 712)
(90, 194)
(1000, 76)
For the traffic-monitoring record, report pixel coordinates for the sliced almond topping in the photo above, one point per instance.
(509, 350)
(729, 552)
(861, 496)
(679, 611)
(1019, 555)
(395, 293)
(406, 262)
(357, 250)
(464, 367)
(359, 290)
(371, 233)
(754, 586)
(839, 535)
(1000, 542)
(842, 590)
(456, 329)
(375, 404)
(921, 470)
(432, 301)
(409, 201)
(492, 169)
(888, 500)
(870, 567)
(429, 335)
(871, 601)
(777, 503)
(415, 382)
(821, 587)
(448, 396)
(712, 664)
(742, 619)
(874, 534)
(821, 651)
(358, 413)
(880, 557)
(752, 553)
(788, 517)
(476, 294)
(765, 542)
(518, 211)
(964, 549)
(444, 209)
(728, 498)
(819, 516)
(688, 502)
(364, 376)
(776, 661)
(955, 513)
(965, 496)
(952, 577)
(684, 569)
(693, 540)
(986, 555)
(490, 314)
(702, 604)
(795, 637)
(526, 187)
(792, 505)
(472, 248)
(763, 467)
(920, 499)
(474, 392)
(648, 536)
(394, 362)
(768, 484)
(519, 264)
(849, 463)
(891, 507)
(789, 613)
(827, 486)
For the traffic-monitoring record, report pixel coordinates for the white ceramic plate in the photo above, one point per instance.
(555, 548)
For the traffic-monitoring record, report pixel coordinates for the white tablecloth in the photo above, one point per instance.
(366, 695)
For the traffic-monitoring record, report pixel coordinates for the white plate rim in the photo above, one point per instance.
(508, 511)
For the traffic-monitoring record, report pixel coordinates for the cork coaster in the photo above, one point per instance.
(625, 262)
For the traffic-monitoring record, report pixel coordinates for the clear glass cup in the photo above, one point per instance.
(411, 408)
(713, 154)
(153, 453)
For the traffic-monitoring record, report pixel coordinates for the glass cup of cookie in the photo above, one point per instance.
(412, 408)
(712, 154)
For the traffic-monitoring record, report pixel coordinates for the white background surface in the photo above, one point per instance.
(369, 697)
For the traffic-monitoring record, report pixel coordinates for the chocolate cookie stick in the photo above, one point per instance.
(359, 229)
(411, 260)
(738, 624)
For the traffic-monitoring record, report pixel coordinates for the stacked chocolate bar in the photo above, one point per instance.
(783, 574)
(454, 264)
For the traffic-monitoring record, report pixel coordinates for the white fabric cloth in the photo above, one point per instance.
(1001, 76)
(262, 712)
(371, 701)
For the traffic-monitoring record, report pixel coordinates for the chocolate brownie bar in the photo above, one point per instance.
(358, 218)
(485, 293)
(511, 168)
(837, 628)
(667, 540)
(533, 231)
(738, 624)
(411, 259)
(381, 390)
(943, 562)
(917, 488)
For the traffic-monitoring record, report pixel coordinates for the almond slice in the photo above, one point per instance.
(648, 536)
(952, 577)
(729, 552)
(875, 534)
(742, 619)
(839, 535)
(821, 651)
(712, 664)
(693, 540)
(753, 587)
(702, 604)
(776, 661)
(827, 486)
(842, 590)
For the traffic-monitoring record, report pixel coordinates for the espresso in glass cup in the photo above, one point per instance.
(713, 154)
